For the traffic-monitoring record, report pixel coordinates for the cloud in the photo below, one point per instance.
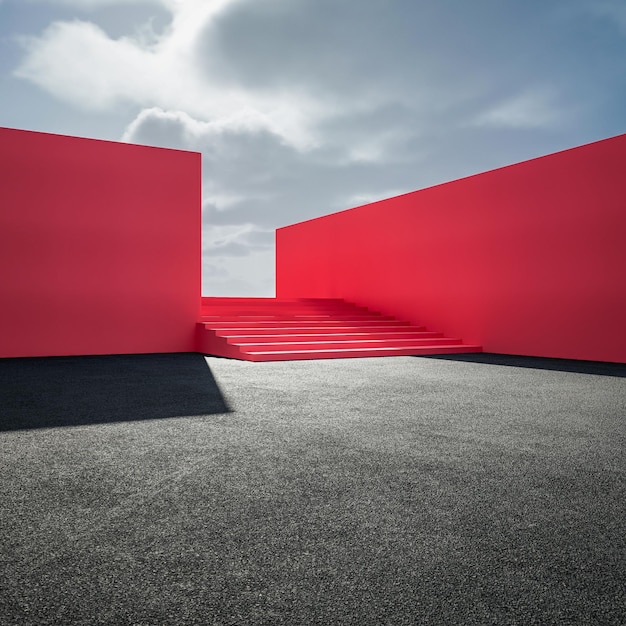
(63, 59)
(95, 4)
(348, 77)
(161, 71)
(298, 64)
(227, 242)
(239, 276)
(179, 129)
(530, 109)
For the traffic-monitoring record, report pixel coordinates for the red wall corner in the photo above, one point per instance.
(99, 246)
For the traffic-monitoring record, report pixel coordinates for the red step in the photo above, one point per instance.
(298, 355)
(312, 330)
(306, 324)
(292, 346)
(323, 335)
(294, 318)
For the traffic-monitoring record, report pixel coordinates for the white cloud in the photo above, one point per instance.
(367, 198)
(189, 130)
(239, 276)
(224, 241)
(94, 4)
(79, 63)
(63, 59)
(530, 109)
(285, 65)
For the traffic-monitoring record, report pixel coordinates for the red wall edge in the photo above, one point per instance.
(99, 246)
(528, 259)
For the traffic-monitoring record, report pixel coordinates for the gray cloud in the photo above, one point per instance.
(240, 244)
(423, 55)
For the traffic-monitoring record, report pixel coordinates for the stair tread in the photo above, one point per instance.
(348, 320)
(375, 349)
(345, 341)
(321, 336)
(270, 325)
(293, 318)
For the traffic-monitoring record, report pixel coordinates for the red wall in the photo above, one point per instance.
(99, 246)
(529, 259)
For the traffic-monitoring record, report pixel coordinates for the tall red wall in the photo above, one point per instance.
(528, 259)
(99, 246)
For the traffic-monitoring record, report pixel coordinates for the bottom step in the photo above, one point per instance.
(347, 353)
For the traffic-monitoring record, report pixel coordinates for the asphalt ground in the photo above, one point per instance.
(178, 489)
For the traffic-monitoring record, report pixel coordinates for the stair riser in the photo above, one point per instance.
(308, 323)
(292, 318)
(289, 313)
(281, 305)
(222, 303)
(342, 345)
(339, 354)
(239, 300)
(271, 303)
(296, 308)
(252, 338)
(309, 330)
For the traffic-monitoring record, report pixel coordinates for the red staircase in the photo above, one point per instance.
(270, 329)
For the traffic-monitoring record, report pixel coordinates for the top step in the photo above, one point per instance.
(214, 307)
(216, 301)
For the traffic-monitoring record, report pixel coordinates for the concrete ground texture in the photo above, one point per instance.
(182, 489)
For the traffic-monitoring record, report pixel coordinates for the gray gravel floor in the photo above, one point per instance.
(174, 489)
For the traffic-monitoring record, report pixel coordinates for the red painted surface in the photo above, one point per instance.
(528, 259)
(99, 246)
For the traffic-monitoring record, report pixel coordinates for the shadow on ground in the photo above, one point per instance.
(75, 391)
(560, 365)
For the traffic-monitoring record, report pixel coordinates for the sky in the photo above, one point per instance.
(307, 107)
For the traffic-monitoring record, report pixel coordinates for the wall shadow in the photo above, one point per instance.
(599, 368)
(46, 392)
